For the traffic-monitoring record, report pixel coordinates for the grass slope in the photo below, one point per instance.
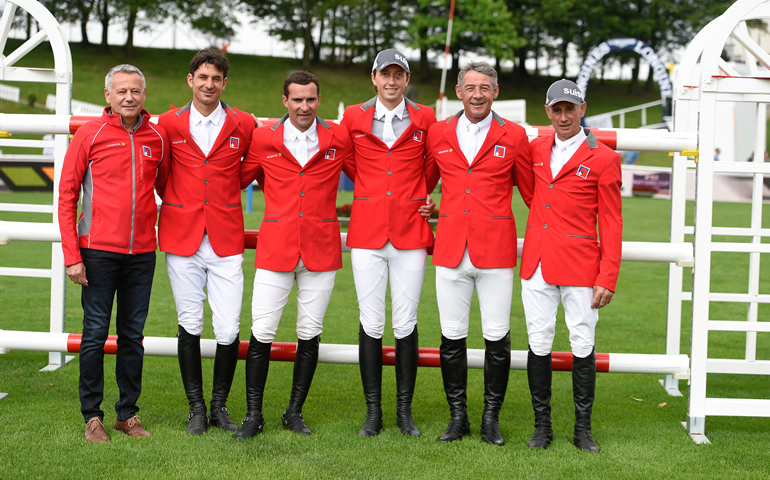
(635, 421)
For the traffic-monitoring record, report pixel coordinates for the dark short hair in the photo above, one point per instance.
(212, 56)
(300, 78)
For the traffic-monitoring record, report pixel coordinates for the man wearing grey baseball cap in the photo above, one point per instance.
(388, 235)
(572, 180)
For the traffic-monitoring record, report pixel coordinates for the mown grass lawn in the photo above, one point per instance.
(635, 422)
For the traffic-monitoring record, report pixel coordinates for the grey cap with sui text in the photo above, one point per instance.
(390, 56)
(564, 91)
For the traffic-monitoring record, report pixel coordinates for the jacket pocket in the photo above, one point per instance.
(173, 204)
(329, 220)
(417, 199)
(581, 236)
(233, 205)
(269, 219)
(360, 198)
(502, 218)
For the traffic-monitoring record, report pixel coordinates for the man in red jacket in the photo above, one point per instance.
(388, 235)
(571, 180)
(297, 162)
(111, 248)
(477, 154)
(201, 230)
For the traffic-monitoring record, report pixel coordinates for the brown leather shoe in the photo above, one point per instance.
(95, 431)
(132, 427)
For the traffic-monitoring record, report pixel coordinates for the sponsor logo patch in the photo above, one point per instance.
(274, 155)
(146, 151)
(499, 151)
(582, 171)
(235, 142)
(177, 142)
(417, 137)
(330, 154)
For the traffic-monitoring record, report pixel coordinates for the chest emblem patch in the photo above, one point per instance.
(582, 171)
(146, 151)
(417, 137)
(235, 142)
(499, 151)
(330, 154)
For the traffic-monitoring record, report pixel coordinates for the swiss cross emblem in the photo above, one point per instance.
(582, 171)
(417, 137)
(146, 151)
(499, 151)
(235, 142)
(330, 154)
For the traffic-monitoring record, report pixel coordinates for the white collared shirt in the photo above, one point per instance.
(290, 133)
(562, 151)
(471, 144)
(205, 130)
(401, 119)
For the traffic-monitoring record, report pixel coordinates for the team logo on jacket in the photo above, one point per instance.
(417, 137)
(146, 151)
(499, 151)
(235, 142)
(330, 154)
(582, 171)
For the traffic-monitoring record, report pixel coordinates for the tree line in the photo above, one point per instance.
(341, 31)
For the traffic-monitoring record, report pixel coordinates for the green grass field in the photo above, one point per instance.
(635, 422)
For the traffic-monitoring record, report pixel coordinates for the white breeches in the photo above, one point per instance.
(541, 302)
(371, 269)
(454, 292)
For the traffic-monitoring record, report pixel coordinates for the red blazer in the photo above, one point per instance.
(561, 228)
(476, 200)
(300, 202)
(389, 183)
(202, 193)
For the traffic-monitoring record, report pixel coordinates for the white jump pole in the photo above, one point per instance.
(676, 365)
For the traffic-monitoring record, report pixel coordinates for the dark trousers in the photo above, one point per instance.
(131, 277)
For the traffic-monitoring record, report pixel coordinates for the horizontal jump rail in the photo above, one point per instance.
(615, 138)
(679, 253)
(677, 365)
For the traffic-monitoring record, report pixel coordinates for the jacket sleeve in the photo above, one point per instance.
(349, 158)
(428, 167)
(610, 223)
(432, 174)
(164, 167)
(250, 166)
(523, 173)
(73, 170)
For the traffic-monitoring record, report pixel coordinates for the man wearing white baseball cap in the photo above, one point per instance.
(572, 180)
(388, 235)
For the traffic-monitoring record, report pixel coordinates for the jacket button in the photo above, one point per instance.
(545, 226)
(301, 173)
(547, 205)
(301, 194)
(205, 182)
(465, 212)
(389, 172)
(205, 202)
(469, 170)
(205, 161)
(550, 186)
(468, 191)
(388, 192)
(390, 152)
(301, 214)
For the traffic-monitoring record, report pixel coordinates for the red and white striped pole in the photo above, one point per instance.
(677, 365)
(440, 105)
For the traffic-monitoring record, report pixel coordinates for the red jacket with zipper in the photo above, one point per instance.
(117, 170)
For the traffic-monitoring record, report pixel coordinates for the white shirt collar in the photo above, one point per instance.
(576, 139)
(215, 117)
(484, 124)
(380, 109)
(293, 131)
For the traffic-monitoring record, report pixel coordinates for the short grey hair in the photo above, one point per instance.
(481, 67)
(124, 68)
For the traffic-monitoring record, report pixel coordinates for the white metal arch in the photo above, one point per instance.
(699, 92)
(61, 76)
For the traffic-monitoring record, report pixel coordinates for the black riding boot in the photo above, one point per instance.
(304, 368)
(497, 366)
(583, 390)
(225, 361)
(370, 364)
(257, 366)
(454, 371)
(189, 353)
(539, 375)
(406, 376)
